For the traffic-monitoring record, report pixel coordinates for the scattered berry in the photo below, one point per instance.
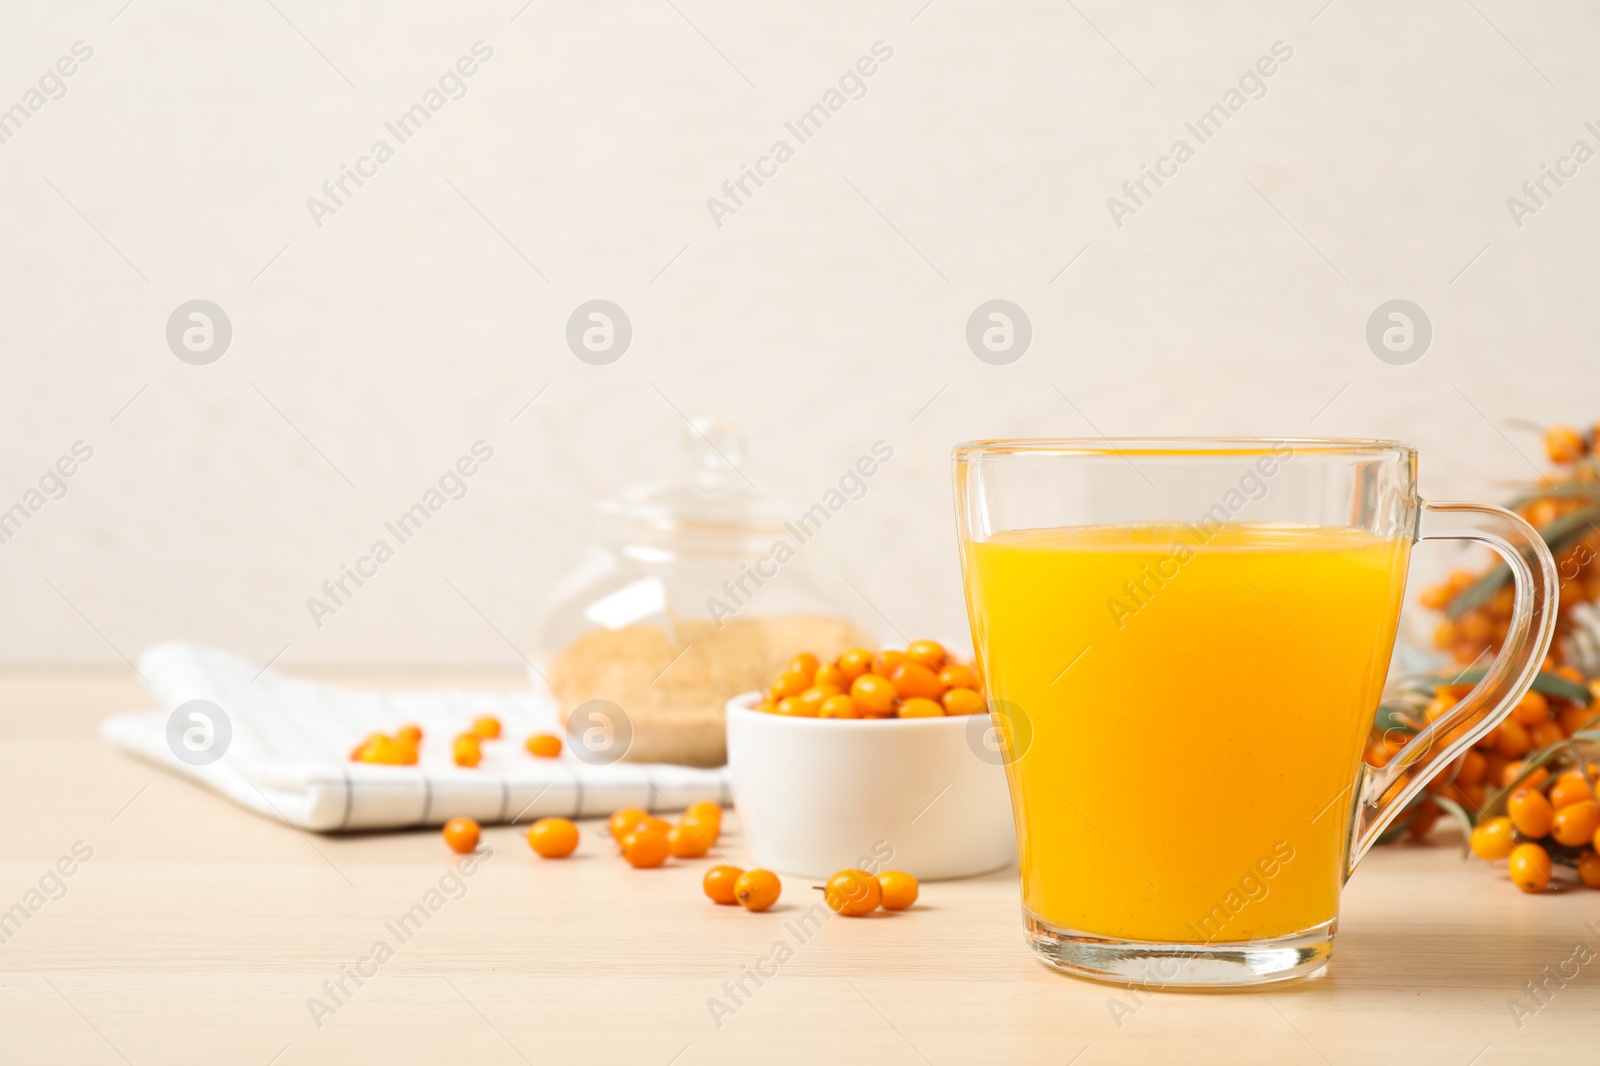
(704, 811)
(467, 751)
(544, 745)
(461, 834)
(757, 890)
(899, 890)
(719, 884)
(853, 893)
(553, 838)
(651, 824)
(645, 850)
(623, 821)
(687, 840)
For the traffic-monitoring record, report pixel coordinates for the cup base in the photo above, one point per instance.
(1155, 965)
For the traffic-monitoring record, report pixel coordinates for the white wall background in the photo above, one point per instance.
(826, 313)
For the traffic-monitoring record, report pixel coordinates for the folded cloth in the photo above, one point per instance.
(288, 740)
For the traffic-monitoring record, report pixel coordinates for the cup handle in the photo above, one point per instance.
(1384, 791)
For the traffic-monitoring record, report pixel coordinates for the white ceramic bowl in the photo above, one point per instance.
(816, 796)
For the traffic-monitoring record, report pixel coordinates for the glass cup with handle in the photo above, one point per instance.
(1184, 643)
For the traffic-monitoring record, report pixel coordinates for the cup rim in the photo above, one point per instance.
(745, 702)
(1000, 447)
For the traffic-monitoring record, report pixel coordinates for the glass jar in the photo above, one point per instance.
(700, 589)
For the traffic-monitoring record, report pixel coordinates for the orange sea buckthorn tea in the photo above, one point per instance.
(1262, 641)
(1184, 644)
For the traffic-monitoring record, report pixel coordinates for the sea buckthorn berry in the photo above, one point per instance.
(1514, 740)
(1532, 709)
(651, 824)
(1513, 769)
(356, 752)
(955, 675)
(817, 693)
(1573, 718)
(912, 679)
(899, 890)
(1589, 868)
(1544, 734)
(1529, 867)
(838, 707)
(719, 883)
(487, 727)
(704, 811)
(962, 701)
(1574, 825)
(799, 707)
(1490, 741)
(1571, 673)
(544, 745)
(467, 751)
(385, 751)
(1435, 597)
(623, 821)
(1438, 706)
(710, 828)
(831, 675)
(688, 840)
(1530, 812)
(918, 707)
(789, 683)
(804, 663)
(927, 652)
(884, 662)
(766, 707)
(873, 695)
(411, 734)
(645, 850)
(461, 834)
(553, 838)
(1570, 788)
(853, 893)
(855, 662)
(757, 890)
(1493, 839)
(1474, 627)
(1563, 445)
(1427, 813)
(1471, 769)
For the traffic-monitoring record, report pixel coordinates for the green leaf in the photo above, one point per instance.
(1459, 813)
(1558, 535)
(1401, 714)
(1548, 684)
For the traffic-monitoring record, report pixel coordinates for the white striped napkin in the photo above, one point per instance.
(288, 757)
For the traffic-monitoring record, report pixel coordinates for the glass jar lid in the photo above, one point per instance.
(713, 505)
